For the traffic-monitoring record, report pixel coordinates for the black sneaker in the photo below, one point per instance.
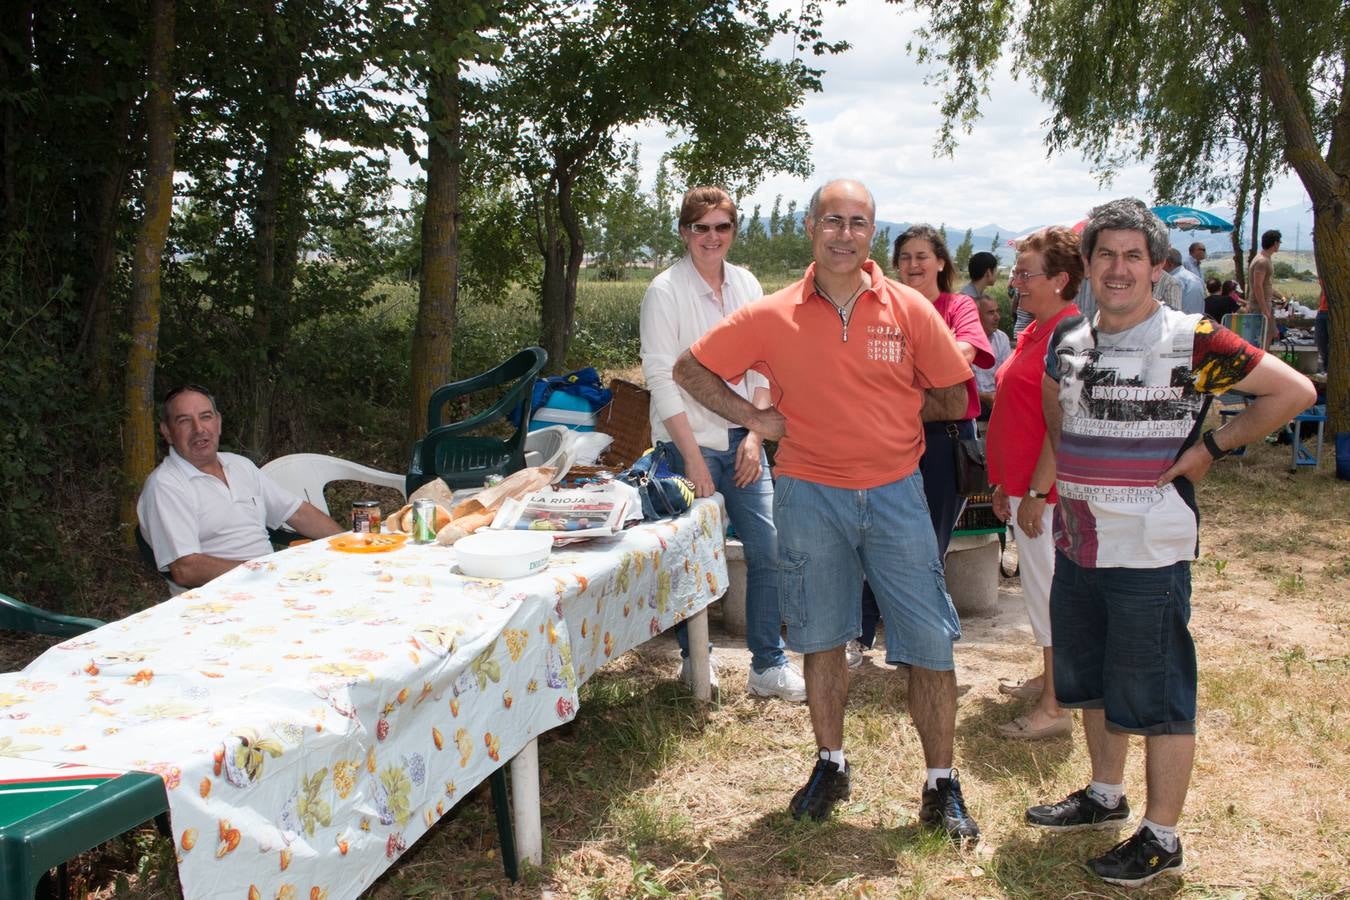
(944, 806)
(827, 784)
(1078, 812)
(1137, 860)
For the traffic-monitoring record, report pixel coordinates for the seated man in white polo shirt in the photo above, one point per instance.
(204, 512)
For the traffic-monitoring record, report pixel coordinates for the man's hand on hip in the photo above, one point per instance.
(1193, 464)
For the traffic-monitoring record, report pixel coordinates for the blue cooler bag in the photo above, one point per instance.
(571, 400)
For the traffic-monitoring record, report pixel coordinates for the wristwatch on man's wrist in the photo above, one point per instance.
(1037, 495)
(1215, 451)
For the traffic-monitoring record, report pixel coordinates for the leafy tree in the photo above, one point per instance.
(1111, 72)
(881, 248)
(776, 217)
(447, 37)
(993, 246)
(634, 61)
(260, 153)
(664, 239)
(623, 223)
(751, 248)
(964, 252)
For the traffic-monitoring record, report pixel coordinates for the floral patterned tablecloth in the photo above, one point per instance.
(314, 712)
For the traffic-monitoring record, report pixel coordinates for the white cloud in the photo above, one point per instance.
(876, 120)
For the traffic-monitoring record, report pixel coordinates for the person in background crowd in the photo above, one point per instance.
(682, 303)
(204, 512)
(1167, 289)
(999, 343)
(921, 260)
(1222, 300)
(1195, 255)
(1123, 402)
(983, 271)
(1192, 288)
(856, 363)
(1261, 282)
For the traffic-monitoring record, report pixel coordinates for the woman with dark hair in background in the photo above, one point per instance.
(1047, 273)
(921, 261)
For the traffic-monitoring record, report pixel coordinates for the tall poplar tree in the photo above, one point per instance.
(138, 430)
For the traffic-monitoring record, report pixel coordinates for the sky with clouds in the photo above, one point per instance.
(875, 120)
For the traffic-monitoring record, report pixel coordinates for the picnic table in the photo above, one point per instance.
(312, 713)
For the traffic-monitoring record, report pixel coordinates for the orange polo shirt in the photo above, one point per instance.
(852, 406)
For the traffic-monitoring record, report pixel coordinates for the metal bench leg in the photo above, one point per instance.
(505, 837)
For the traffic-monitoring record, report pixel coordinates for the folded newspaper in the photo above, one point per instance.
(594, 510)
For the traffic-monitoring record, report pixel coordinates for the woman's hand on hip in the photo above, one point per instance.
(747, 461)
(696, 470)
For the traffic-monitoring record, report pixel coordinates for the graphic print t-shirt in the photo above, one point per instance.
(1130, 403)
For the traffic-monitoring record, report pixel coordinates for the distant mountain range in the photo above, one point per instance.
(1295, 223)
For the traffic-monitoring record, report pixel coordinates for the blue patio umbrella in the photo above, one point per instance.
(1190, 219)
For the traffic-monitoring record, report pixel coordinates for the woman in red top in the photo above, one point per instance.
(921, 261)
(1022, 465)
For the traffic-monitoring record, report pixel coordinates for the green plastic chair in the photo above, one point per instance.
(15, 615)
(454, 451)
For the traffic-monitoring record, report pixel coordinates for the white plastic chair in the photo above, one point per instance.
(306, 474)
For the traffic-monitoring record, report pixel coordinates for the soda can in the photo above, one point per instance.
(424, 521)
(366, 516)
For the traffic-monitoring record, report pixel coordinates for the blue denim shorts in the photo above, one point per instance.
(828, 538)
(1122, 644)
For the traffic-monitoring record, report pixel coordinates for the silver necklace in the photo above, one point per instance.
(844, 309)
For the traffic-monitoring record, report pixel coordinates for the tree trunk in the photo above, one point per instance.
(270, 289)
(97, 338)
(555, 329)
(138, 430)
(563, 254)
(1260, 166)
(438, 284)
(1331, 248)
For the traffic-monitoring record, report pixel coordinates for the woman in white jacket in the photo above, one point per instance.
(680, 305)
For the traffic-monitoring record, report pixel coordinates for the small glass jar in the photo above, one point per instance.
(366, 516)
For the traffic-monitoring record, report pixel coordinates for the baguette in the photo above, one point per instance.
(395, 520)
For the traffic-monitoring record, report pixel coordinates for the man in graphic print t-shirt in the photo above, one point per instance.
(1125, 397)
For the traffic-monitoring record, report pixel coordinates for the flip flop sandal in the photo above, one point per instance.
(1020, 729)
(1020, 689)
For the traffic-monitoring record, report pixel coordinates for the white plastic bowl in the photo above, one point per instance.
(503, 554)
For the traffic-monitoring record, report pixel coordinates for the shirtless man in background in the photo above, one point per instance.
(1261, 284)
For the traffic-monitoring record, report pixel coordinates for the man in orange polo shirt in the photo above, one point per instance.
(856, 363)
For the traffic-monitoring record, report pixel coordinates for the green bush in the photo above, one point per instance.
(45, 417)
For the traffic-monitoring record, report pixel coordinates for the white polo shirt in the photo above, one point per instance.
(678, 308)
(183, 510)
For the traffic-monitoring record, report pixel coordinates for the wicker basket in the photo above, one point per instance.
(625, 420)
